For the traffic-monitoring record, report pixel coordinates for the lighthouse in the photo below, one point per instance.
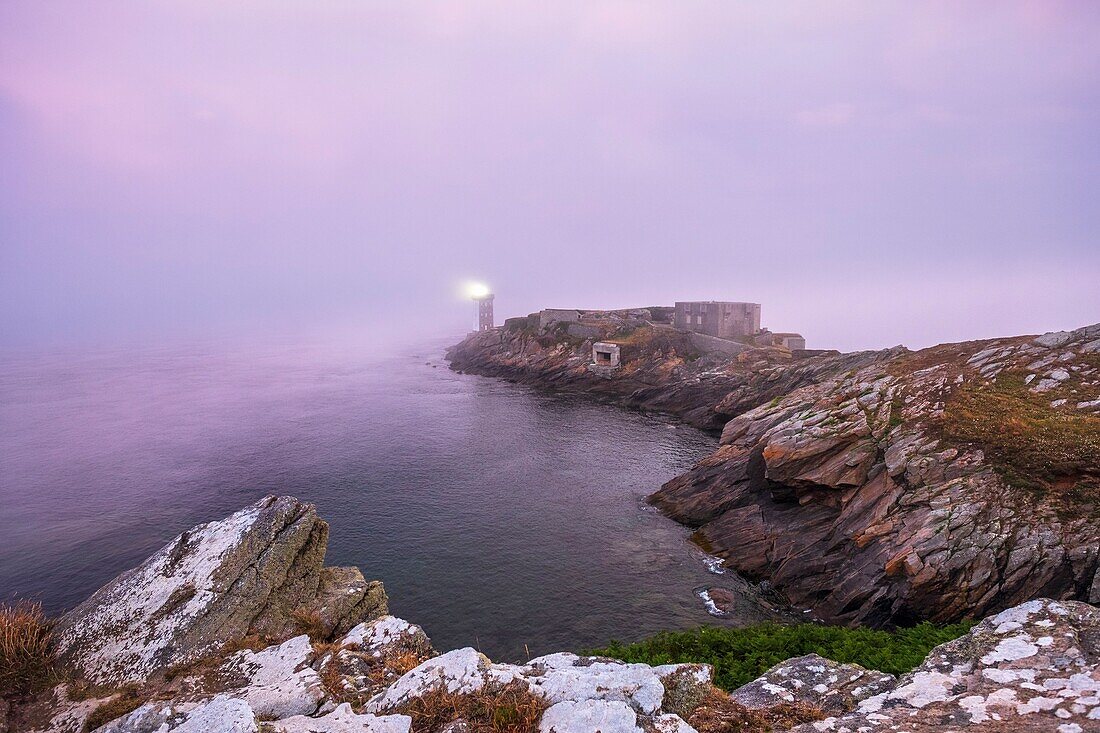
(484, 311)
(480, 294)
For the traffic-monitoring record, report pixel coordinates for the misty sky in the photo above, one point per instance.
(872, 172)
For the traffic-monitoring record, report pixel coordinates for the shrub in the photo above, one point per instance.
(741, 655)
(496, 708)
(719, 714)
(26, 648)
(310, 622)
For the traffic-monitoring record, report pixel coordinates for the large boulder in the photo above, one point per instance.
(343, 720)
(222, 714)
(814, 680)
(259, 571)
(1034, 667)
(276, 682)
(582, 694)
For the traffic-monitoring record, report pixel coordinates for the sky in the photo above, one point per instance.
(873, 173)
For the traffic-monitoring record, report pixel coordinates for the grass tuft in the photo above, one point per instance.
(719, 714)
(741, 655)
(310, 622)
(26, 649)
(496, 708)
(126, 701)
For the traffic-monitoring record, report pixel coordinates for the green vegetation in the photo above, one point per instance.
(1030, 443)
(741, 655)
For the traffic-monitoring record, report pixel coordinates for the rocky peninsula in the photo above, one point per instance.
(237, 626)
(875, 488)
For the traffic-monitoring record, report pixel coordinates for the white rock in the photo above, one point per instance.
(379, 633)
(569, 677)
(344, 720)
(1054, 339)
(221, 714)
(280, 682)
(461, 670)
(589, 716)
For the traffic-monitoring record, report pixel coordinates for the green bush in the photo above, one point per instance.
(741, 655)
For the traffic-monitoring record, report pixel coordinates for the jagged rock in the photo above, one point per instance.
(1034, 667)
(686, 685)
(343, 720)
(589, 716)
(462, 670)
(57, 712)
(830, 686)
(221, 715)
(276, 682)
(374, 654)
(215, 583)
(555, 678)
(845, 496)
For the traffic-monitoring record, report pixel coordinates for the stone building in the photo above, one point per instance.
(717, 318)
(793, 341)
(605, 354)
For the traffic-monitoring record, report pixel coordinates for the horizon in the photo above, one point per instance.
(872, 175)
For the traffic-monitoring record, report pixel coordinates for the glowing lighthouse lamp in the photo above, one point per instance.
(480, 293)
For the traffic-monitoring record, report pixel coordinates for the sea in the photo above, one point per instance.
(498, 516)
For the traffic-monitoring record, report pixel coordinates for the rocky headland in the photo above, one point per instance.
(237, 626)
(875, 488)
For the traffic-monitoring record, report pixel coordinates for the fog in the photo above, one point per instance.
(873, 173)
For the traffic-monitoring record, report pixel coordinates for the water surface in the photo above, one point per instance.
(498, 516)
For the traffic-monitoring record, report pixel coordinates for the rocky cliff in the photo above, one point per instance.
(257, 573)
(873, 487)
(1035, 667)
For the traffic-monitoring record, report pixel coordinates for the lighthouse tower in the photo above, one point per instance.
(484, 311)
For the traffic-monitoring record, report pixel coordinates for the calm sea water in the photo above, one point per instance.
(498, 516)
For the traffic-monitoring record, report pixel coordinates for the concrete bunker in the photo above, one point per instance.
(605, 354)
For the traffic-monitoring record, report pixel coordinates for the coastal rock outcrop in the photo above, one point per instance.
(826, 685)
(1030, 668)
(874, 487)
(1034, 667)
(257, 572)
(934, 485)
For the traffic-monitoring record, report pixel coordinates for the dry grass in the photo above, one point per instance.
(127, 700)
(311, 623)
(1032, 444)
(26, 649)
(496, 708)
(719, 714)
(387, 669)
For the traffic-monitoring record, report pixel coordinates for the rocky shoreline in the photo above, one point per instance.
(238, 626)
(876, 487)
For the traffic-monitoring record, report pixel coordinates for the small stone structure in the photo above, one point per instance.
(793, 341)
(605, 354)
(717, 318)
(549, 317)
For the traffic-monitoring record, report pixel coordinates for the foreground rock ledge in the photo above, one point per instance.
(258, 572)
(1034, 667)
